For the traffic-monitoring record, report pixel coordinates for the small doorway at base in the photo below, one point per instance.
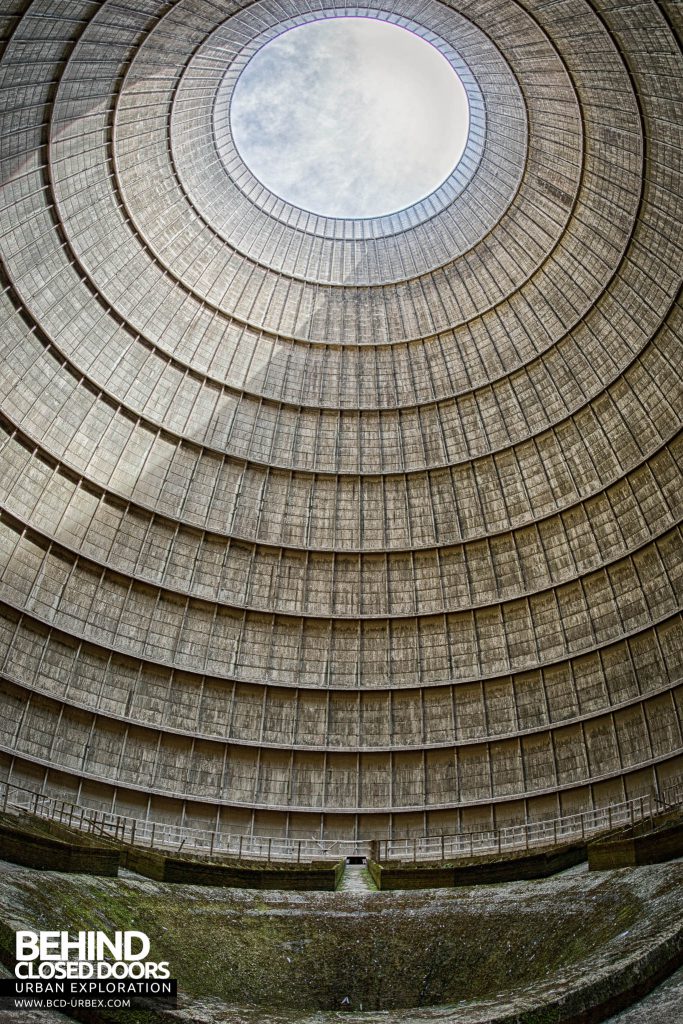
(356, 860)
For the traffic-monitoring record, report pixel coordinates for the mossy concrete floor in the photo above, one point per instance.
(536, 952)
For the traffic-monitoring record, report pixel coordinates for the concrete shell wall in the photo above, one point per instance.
(340, 527)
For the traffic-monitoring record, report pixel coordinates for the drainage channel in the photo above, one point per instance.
(356, 877)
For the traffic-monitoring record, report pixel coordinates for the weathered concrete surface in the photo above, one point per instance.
(162, 867)
(29, 1016)
(477, 870)
(357, 878)
(644, 843)
(28, 841)
(490, 953)
(662, 1006)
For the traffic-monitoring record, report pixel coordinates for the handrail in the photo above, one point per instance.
(169, 837)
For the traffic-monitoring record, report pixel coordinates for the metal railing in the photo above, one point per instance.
(533, 834)
(169, 837)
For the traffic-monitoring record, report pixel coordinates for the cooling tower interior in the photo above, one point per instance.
(334, 527)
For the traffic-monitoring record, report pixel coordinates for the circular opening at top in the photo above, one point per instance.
(350, 117)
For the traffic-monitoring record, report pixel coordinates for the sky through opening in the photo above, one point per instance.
(350, 117)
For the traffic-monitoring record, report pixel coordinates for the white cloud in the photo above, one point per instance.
(350, 117)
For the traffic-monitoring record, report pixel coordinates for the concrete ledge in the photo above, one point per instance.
(195, 871)
(643, 843)
(25, 844)
(479, 871)
(595, 999)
